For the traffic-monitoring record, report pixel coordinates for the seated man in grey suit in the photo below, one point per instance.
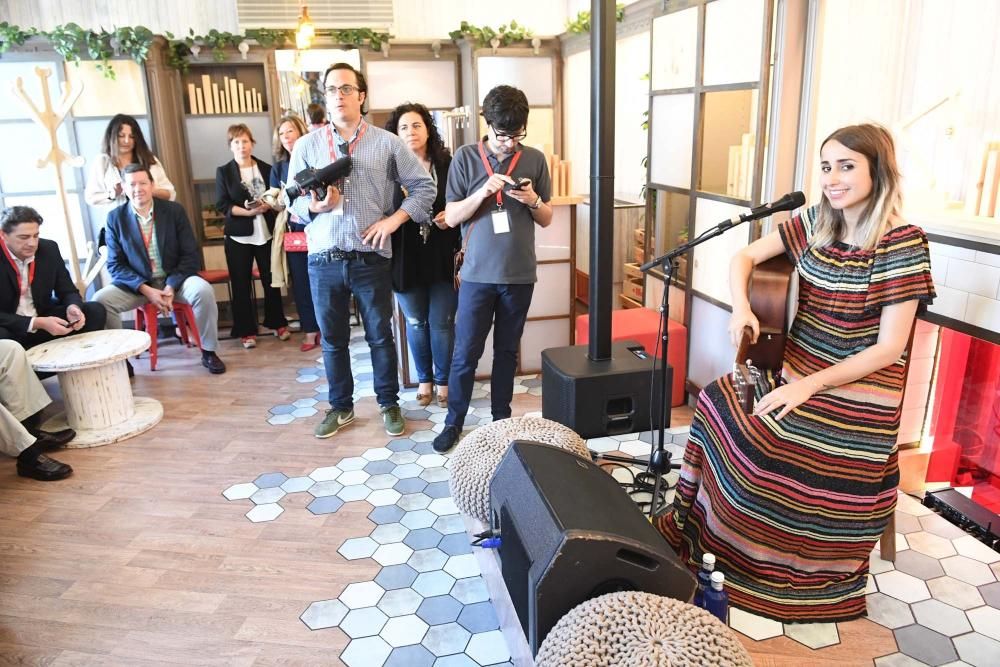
(22, 398)
(153, 257)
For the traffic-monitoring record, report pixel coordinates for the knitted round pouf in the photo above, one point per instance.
(636, 629)
(477, 456)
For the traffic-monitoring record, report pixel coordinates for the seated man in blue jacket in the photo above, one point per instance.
(38, 300)
(153, 257)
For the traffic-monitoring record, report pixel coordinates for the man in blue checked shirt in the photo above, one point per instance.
(348, 237)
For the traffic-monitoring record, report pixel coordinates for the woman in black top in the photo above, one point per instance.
(239, 185)
(422, 261)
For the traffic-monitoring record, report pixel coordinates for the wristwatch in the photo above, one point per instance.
(538, 202)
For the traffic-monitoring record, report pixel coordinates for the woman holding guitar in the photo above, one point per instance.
(792, 497)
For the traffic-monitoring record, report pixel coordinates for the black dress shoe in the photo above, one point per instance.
(211, 361)
(447, 439)
(43, 469)
(53, 440)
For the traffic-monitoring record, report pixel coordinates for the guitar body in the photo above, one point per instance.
(770, 284)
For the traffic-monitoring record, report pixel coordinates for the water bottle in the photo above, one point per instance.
(704, 578)
(717, 599)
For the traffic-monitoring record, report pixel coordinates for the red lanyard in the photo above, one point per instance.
(147, 239)
(350, 146)
(489, 169)
(17, 271)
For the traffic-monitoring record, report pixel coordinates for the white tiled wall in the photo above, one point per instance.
(968, 285)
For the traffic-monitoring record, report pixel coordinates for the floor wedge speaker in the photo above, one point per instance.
(598, 398)
(568, 533)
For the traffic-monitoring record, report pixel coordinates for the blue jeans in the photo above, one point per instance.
(332, 282)
(298, 266)
(481, 305)
(430, 329)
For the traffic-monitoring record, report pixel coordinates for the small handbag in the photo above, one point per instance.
(295, 242)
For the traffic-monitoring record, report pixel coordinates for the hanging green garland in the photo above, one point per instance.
(581, 24)
(482, 36)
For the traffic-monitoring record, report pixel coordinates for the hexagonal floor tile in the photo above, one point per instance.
(422, 538)
(978, 650)
(970, 547)
(488, 648)
(902, 586)
(270, 479)
(383, 497)
(325, 505)
(268, 512)
(326, 474)
(324, 614)
(435, 474)
(449, 525)
(437, 490)
(941, 617)
(447, 639)
(388, 533)
(986, 621)
(414, 501)
(886, 611)
(410, 656)
(753, 626)
(400, 445)
(455, 544)
(956, 593)
(418, 519)
(377, 454)
(361, 594)
(396, 576)
(354, 492)
(407, 470)
(379, 482)
(366, 652)
(427, 560)
(269, 495)
(814, 635)
(240, 491)
(958, 567)
(919, 565)
(443, 506)
(363, 622)
(409, 485)
(392, 554)
(379, 467)
(323, 489)
(925, 644)
(297, 484)
(400, 602)
(440, 609)
(430, 584)
(404, 456)
(358, 547)
(930, 544)
(387, 514)
(479, 617)
(353, 477)
(404, 630)
(462, 566)
(470, 590)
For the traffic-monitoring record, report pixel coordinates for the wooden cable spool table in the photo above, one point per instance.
(95, 386)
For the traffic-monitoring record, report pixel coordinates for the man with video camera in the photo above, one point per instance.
(498, 191)
(348, 234)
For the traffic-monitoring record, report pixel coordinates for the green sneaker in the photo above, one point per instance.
(393, 419)
(333, 422)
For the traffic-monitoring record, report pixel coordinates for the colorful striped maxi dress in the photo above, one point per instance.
(793, 508)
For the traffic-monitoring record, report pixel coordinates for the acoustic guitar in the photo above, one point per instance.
(769, 288)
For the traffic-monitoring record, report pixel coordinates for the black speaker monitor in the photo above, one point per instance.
(568, 533)
(604, 397)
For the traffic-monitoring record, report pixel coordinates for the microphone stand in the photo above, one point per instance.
(659, 460)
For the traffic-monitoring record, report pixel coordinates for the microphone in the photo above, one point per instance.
(317, 180)
(790, 201)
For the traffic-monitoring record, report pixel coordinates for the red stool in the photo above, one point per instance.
(642, 325)
(146, 319)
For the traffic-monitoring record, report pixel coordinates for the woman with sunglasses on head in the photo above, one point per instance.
(423, 261)
(792, 498)
(290, 128)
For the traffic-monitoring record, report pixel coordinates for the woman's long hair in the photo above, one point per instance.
(436, 150)
(885, 201)
(140, 151)
(277, 149)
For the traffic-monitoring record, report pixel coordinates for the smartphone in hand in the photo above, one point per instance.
(521, 184)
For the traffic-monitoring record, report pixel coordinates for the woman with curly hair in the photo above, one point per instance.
(422, 261)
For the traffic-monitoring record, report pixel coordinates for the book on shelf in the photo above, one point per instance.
(206, 89)
(192, 99)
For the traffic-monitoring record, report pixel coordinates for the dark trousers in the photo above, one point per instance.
(239, 260)
(93, 312)
(298, 266)
(480, 306)
(369, 279)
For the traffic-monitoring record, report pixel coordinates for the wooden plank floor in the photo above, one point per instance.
(138, 558)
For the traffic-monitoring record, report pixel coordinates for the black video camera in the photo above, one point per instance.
(317, 180)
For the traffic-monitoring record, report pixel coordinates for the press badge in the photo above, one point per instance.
(501, 222)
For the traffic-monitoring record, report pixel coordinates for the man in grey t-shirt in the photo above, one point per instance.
(498, 191)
